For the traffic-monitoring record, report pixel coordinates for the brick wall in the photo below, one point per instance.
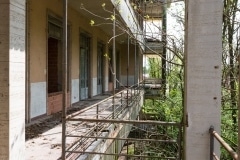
(55, 102)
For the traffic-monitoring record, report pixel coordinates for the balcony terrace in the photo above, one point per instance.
(102, 127)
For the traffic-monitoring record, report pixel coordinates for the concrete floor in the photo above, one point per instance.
(44, 135)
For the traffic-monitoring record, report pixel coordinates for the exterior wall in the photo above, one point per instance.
(38, 99)
(94, 84)
(127, 80)
(202, 76)
(12, 79)
(37, 36)
(105, 88)
(132, 68)
(75, 91)
(105, 72)
(131, 21)
(55, 102)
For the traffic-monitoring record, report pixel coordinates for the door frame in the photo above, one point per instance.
(87, 47)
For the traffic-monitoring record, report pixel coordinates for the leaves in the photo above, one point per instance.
(230, 95)
(118, 2)
(147, 16)
(92, 22)
(107, 56)
(112, 17)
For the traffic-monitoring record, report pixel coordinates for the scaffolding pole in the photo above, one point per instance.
(114, 62)
(238, 149)
(64, 78)
(164, 53)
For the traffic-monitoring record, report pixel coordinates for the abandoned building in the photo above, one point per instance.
(98, 47)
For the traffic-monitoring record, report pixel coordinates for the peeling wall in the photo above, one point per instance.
(132, 69)
(37, 36)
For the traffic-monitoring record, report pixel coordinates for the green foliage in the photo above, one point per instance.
(154, 70)
(131, 150)
(230, 95)
(229, 129)
(145, 70)
(168, 109)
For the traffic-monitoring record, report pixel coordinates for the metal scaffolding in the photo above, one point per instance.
(112, 128)
(93, 131)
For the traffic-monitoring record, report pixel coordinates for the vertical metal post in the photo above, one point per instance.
(164, 40)
(97, 122)
(114, 62)
(128, 52)
(211, 142)
(179, 142)
(132, 88)
(127, 150)
(64, 78)
(238, 149)
(28, 108)
(128, 69)
(135, 60)
(121, 102)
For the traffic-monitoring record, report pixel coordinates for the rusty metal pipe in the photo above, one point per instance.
(225, 145)
(128, 155)
(65, 15)
(129, 139)
(127, 121)
(233, 154)
(215, 156)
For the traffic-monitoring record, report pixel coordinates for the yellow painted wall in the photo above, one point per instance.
(124, 59)
(37, 40)
(37, 24)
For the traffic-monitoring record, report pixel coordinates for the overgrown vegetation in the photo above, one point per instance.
(230, 75)
(169, 107)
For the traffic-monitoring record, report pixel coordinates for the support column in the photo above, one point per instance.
(12, 79)
(202, 76)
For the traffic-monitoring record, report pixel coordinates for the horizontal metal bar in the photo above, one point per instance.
(127, 121)
(74, 144)
(128, 139)
(94, 105)
(90, 107)
(120, 154)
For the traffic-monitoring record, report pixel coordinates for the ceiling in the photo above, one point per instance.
(93, 10)
(154, 10)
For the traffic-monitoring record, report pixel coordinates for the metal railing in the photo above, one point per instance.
(152, 87)
(214, 134)
(103, 129)
(85, 130)
(154, 47)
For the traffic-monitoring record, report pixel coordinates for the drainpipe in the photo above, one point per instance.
(64, 79)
